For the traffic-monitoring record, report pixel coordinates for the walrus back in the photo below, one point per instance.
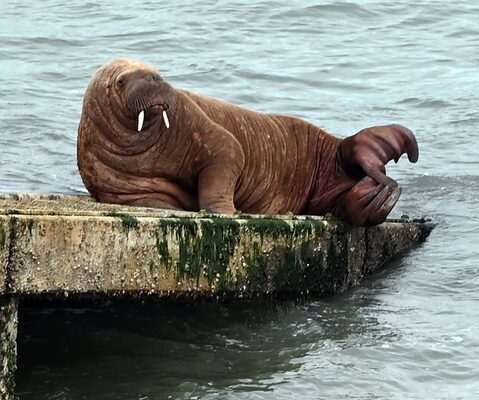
(280, 156)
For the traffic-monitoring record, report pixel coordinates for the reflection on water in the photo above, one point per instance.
(410, 333)
(181, 349)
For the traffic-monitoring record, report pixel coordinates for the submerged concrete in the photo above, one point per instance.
(8, 346)
(70, 245)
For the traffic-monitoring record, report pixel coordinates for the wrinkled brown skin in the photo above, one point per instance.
(222, 158)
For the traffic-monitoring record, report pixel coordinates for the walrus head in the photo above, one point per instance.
(136, 93)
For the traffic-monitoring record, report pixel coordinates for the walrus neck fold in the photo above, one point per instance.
(330, 182)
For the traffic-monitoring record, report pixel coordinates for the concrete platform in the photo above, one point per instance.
(70, 245)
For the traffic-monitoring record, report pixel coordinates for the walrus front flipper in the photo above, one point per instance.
(220, 172)
(364, 157)
(218, 160)
(368, 203)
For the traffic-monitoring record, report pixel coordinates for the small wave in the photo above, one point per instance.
(425, 103)
(328, 10)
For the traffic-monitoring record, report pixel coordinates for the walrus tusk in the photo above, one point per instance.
(141, 118)
(165, 118)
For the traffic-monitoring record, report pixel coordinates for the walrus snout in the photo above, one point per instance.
(148, 95)
(144, 94)
(140, 90)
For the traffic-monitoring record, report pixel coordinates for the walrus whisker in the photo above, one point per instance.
(139, 105)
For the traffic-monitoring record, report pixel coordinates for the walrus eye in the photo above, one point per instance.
(120, 81)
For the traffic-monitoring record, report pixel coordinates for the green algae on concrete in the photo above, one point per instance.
(127, 221)
(203, 248)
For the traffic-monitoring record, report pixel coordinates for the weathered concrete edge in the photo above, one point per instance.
(85, 205)
(152, 255)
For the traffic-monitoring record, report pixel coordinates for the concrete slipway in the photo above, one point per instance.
(70, 245)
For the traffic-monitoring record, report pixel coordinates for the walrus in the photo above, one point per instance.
(143, 142)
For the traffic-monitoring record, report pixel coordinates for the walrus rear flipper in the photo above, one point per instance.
(364, 157)
(368, 203)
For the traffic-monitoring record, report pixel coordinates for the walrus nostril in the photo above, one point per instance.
(153, 78)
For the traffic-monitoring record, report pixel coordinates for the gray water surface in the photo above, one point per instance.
(412, 332)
